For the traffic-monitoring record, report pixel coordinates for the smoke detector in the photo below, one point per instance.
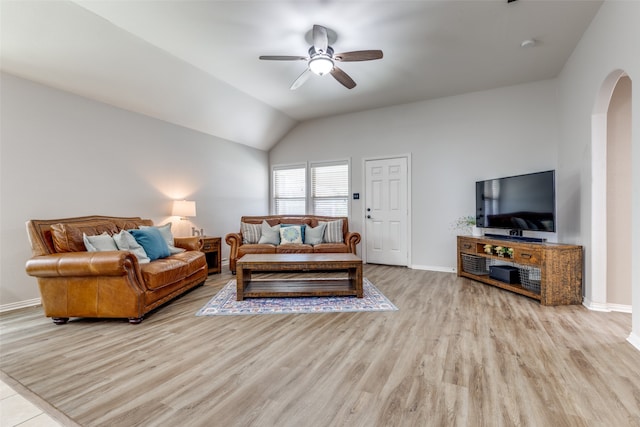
(528, 43)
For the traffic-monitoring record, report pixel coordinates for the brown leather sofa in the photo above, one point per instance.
(110, 284)
(238, 249)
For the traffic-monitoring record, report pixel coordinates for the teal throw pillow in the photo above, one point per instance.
(152, 241)
(313, 236)
(270, 235)
(165, 231)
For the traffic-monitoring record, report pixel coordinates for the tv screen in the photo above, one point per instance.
(522, 202)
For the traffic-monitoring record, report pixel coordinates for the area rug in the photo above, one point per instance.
(224, 303)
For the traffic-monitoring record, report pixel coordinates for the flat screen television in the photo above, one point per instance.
(522, 202)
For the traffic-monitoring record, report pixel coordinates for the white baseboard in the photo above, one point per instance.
(606, 307)
(634, 340)
(433, 268)
(622, 308)
(595, 306)
(20, 304)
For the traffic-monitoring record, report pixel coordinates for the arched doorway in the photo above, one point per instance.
(610, 196)
(619, 197)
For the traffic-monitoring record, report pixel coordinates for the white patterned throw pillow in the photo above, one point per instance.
(333, 232)
(250, 233)
(291, 234)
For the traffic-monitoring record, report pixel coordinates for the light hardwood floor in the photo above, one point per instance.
(457, 353)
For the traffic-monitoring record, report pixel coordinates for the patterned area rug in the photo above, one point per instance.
(224, 303)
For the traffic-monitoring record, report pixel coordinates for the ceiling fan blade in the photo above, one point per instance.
(320, 38)
(343, 78)
(283, 58)
(301, 79)
(358, 55)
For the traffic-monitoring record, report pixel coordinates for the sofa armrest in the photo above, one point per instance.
(189, 243)
(234, 240)
(83, 264)
(352, 239)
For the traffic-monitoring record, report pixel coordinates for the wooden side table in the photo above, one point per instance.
(211, 249)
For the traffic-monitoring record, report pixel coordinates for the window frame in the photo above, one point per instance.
(311, 199)
(308, 165)
(272, 187)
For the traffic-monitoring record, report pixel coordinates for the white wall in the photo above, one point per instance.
(453, 142)
(609, 45)
(64, 156)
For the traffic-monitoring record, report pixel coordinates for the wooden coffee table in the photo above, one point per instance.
(250, 263)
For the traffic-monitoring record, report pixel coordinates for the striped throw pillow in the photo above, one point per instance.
(250, 232)
(333, 232)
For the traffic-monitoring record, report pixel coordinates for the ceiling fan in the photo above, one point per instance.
(321, 59)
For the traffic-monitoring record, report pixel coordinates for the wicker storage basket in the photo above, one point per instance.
(474, 264)
(530, 278)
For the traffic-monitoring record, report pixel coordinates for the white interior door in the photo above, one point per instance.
(386, 212)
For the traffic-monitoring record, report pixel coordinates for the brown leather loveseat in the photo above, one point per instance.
(343, 242)
(106, 284)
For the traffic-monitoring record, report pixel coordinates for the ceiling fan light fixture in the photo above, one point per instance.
(321, 65)
(321, 59)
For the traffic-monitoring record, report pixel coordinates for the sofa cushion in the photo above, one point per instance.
(250, 232)
(270, 235)
(130, 223)
(126, 242)
(256, 249)
(68, 237)
(164, 272)
(333, 232)
(313, 236)
(101, 242)
(165, 231)
(294, 249)
(331, 248)
(195, 259)
(291, 235)
(152, 241)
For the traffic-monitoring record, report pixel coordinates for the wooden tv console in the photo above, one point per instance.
(560, 267)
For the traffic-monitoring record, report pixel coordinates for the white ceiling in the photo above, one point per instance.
(195, 63)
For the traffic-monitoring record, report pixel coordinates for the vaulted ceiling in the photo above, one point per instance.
(195, 63)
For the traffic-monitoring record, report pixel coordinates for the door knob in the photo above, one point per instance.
(369, 216)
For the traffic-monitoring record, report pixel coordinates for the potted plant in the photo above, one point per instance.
(467, 224)
(503, 251)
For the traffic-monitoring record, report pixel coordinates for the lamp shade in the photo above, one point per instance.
(184, 208)
(321, 65)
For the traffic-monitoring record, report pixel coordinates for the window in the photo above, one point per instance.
(326, 192)
(289, 190)
(330, 189)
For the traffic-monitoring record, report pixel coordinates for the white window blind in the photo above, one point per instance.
(330, 188)
(289, 190)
